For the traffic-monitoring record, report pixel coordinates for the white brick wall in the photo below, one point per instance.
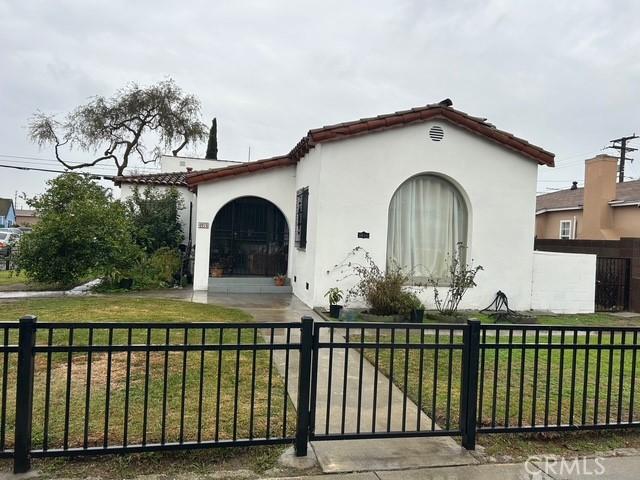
(563, 282)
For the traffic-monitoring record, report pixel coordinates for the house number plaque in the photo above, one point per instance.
(363, 234)
(203, 224)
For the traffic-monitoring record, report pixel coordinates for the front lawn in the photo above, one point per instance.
(546, 374)
(9, 277)
(181, 400)
(10, 280)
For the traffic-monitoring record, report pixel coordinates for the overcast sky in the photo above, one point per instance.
(565, 77)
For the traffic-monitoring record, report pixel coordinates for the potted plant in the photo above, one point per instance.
(416, 313)
(280, 280)
(335, 295)
(410, 307)
(217, 270)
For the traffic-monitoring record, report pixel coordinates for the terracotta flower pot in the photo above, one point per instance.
(216, 271)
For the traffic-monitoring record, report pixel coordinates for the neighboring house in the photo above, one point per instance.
(170, 163)
(160, 182)
(26, 218)
(174, 170)
(406, 187)
(7, 213)
(602, 210)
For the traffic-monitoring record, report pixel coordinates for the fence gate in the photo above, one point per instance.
(351, 397)
(612, 283)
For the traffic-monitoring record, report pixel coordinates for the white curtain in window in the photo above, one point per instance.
(427, 218)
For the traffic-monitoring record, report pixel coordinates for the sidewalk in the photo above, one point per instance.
(610, 468)
(83, 289)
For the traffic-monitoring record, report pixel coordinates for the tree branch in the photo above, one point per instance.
(182, 145)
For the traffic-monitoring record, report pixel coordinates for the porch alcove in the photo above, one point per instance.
(249, 238)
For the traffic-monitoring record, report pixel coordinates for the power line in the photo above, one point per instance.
(47, 161)
(18, 167)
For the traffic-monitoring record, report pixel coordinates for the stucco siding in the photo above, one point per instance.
(277, 186)
(360, 175)
(548, 224)
(626, 221)
(169, 163)
(302, 268)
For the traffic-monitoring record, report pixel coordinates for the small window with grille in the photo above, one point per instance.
(302, 206)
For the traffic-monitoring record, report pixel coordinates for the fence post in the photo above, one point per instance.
(469, 404)
(304, 386)
(24, 394)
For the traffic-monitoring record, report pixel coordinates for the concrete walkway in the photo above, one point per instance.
(346, 455)
(83, 289)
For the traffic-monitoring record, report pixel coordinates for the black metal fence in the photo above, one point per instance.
(93, 388)
(545, 378)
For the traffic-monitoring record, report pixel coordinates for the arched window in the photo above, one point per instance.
(427, 219)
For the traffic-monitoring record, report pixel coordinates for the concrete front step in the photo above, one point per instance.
(241, 281)
(246, 285)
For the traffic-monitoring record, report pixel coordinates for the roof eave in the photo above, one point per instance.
(557, 209)
(216, 174)
(473, 124)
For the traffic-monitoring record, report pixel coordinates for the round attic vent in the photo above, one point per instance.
(436, 133)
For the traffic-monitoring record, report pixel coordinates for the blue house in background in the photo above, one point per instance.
(7, 213)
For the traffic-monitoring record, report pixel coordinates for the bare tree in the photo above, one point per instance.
(113, 129)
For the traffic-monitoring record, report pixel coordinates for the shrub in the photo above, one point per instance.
(382, 291)
(409, 301)
(155, 218)
(159, 270)
(461, 277)
(82, 231)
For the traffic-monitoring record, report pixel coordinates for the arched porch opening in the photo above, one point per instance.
(249, 237)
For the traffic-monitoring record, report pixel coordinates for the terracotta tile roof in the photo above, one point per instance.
(626, 192)
(442, 110)
(428, 112)
(200, 176)
(177, 179)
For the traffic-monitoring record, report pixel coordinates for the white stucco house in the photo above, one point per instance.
(406, 187)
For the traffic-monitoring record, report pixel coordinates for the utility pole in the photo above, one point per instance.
(621, 144)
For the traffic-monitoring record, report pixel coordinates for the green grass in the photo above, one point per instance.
(581, 319)
(12, 281)
(9, 277)
(550, 375)
(112, 373)
(119, 308)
